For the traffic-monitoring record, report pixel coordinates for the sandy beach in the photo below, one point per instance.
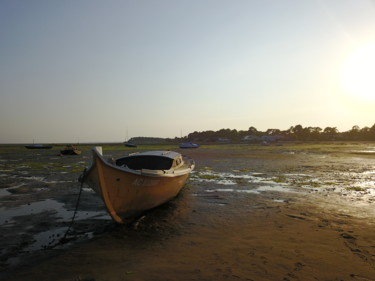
(291, 212)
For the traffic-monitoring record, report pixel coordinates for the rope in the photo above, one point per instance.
(74, 215)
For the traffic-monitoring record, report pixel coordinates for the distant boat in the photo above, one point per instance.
(38, 146)
(189, 145)
(70, 150)
(265, 143)
(129, 144)
(138, 182)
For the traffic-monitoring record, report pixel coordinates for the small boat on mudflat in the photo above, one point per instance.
(189, 145)
(70, 150)
(38, 146)
(138, 182)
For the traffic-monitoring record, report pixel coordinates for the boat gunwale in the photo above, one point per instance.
(146, 172)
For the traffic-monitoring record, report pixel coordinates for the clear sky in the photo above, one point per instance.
(93, 71)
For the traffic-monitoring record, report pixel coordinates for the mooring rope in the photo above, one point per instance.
(74, 214)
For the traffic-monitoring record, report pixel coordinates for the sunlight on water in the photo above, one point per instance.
(255, 183)
(353, 183)
(257, 190)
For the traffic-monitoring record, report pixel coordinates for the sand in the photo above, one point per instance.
(247, 213)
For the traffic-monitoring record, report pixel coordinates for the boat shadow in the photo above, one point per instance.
(158, 223)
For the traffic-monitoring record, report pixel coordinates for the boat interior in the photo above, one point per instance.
(146, 162)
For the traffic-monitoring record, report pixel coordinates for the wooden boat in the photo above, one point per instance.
(189, 145)
(38, 146)
(138, 182)
(70, 150)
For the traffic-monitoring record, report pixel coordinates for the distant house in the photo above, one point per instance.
(251, 138)
(223, 140)
(271, 138)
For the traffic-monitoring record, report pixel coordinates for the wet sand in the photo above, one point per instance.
(294, 212)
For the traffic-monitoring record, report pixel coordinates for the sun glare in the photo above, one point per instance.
(358, 74)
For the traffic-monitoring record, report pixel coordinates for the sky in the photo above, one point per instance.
(105, 71)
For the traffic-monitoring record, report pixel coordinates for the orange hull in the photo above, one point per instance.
(128, 193)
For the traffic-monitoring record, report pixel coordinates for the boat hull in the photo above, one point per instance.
(70, 152)
(128, 194)
(38, 146)
(128, 144)
(189, 145)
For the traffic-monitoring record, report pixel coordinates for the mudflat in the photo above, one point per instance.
(248, 212)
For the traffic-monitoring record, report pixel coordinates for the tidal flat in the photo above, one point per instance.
(300, 211)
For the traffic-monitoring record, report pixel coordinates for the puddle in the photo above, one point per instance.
(50, 238)
(20, 167)
(364, 184)
(226, 178)
(8, 191)
(42, 241)
(227, 182)
(297, 175)
(4, 192)
(279, 200)
(46, 239)
(54, 182)
(41, 179)
(277, 188)
(356, 183)
(256, 190)
(220, 189)
(7, 215)
(255, 183)
(216, 203)
(364, 151)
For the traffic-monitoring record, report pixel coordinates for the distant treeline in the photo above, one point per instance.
(297, 132)
(147, 140)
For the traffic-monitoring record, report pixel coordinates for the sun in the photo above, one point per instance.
(358, 74)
